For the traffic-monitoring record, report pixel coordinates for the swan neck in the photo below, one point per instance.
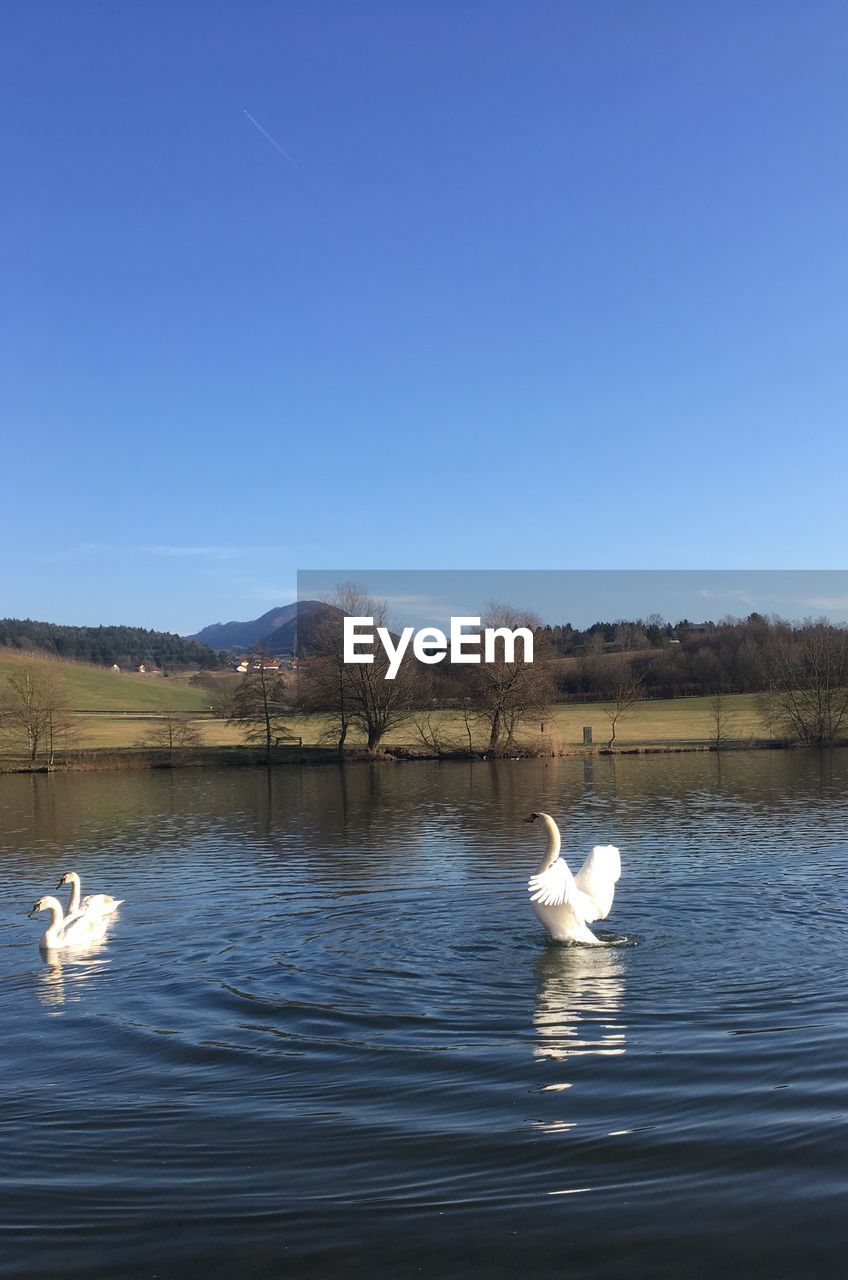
(73, 905)
(57, 915)
(553, 846)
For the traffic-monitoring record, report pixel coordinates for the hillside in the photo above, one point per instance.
(127, 647)
(287, 629)
(90, 688)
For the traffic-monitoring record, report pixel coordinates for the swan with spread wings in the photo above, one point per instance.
(565, 903)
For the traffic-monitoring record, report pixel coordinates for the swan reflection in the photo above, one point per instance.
(578, 1003)
(66, 973)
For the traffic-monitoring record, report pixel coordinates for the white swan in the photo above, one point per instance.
(96, 904)
(565, 903)
(68, 931)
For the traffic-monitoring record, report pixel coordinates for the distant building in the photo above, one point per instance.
(142, 669)
(115, 666)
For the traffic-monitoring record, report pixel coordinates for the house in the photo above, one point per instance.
(257, 664)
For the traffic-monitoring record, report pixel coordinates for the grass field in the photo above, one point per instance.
(667, 720)
(96, 689)
(114, 709)
(682, 720)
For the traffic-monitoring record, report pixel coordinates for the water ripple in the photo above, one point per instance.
(326, 1036)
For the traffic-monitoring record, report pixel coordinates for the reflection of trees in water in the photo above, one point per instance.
(463, 814)
(66, 975)
(578, 1002)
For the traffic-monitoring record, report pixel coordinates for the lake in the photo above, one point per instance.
(326, 1037)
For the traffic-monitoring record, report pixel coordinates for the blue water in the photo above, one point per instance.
(326, 1037)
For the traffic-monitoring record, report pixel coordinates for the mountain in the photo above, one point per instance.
(284, 630)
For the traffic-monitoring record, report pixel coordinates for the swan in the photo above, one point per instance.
(565, 903)
(68, 931)
(96, 904)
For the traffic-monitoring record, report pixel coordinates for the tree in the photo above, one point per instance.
(623, 689)
(259, 702)
(126, 646)
(809, 675)
(60, 726)
(630, 635)
(507, 694)
(356, 695)
(766, 704)
(720, 721)
(324, 688)
(430, 727)
(173, 732)
(706, 669)
(35, 712)
(655, 628)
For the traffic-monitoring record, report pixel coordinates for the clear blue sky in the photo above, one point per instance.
(428, 597)
(542, 285)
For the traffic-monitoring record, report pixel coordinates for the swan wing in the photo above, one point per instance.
(82, 928)
(596, 881)
(553, 887)
(100, 904)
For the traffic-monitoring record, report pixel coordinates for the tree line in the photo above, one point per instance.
(127, 647)
(801, 671)
(734, 656)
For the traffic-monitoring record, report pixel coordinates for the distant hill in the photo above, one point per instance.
(287, 629)
(126, 647)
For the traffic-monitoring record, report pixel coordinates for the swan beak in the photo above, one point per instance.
(34, 911)
(532, 818)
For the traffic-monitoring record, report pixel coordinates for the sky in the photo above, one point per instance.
(496, 285)
(430, 597)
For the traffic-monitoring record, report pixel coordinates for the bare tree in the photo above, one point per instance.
(507, 694)
(35, 713)
(259, 703)
(174, 732)
(430, 727)
(469, 718)
(357, 695)
(766, 704)
(719, 720)
(630, 635)
(324, 687)
(809, 674)
(622, 690)
(61, 729)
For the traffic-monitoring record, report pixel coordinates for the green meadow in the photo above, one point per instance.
(90, 688)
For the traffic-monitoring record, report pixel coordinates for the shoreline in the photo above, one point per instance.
(116, 760)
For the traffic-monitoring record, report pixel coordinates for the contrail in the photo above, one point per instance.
(266, 134)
